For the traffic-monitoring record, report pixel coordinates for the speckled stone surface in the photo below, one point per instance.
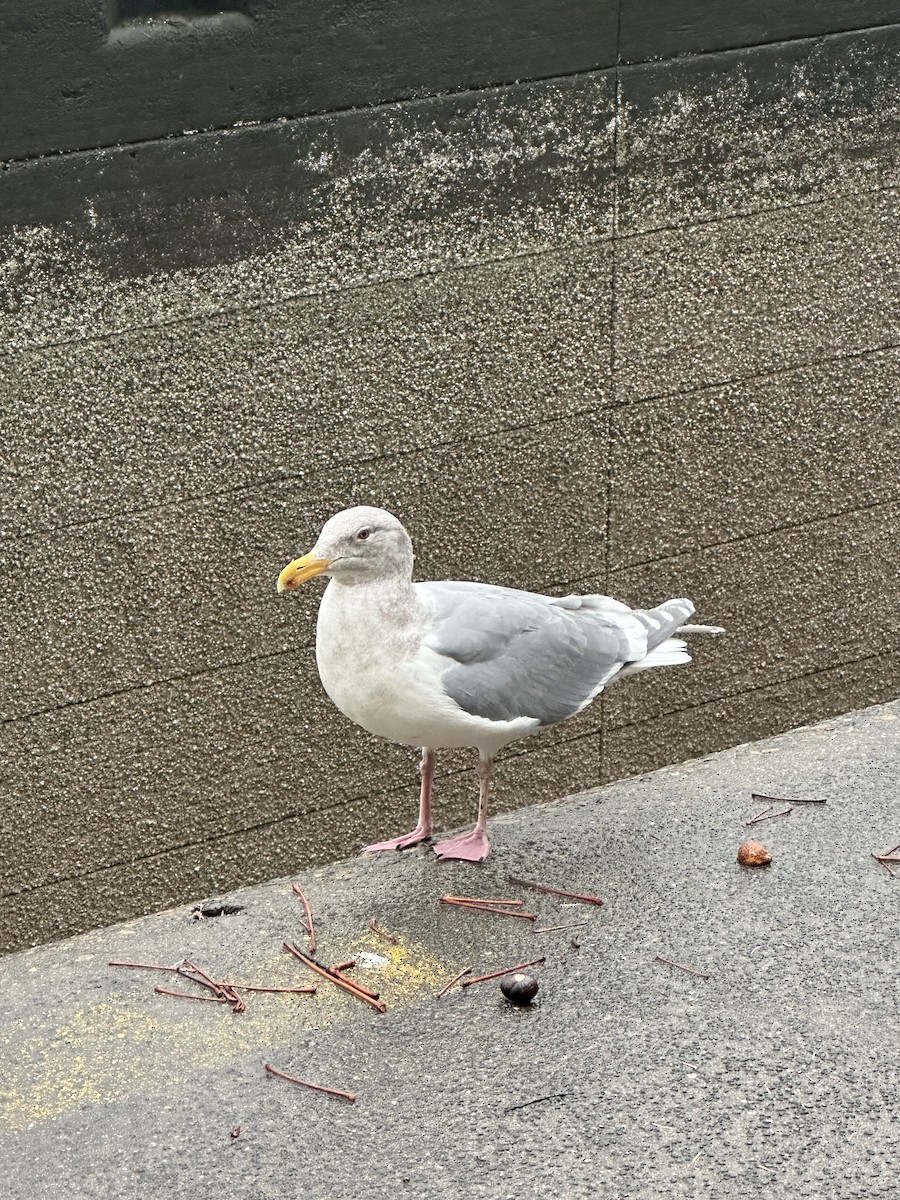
(714, 136)
(316, 791)
(631, 332)
(728, 463)
(278, 392)
(650, 742)
(714, 302)
(627, 1078)
(793, 602)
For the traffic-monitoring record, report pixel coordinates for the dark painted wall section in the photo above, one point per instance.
(663, 28)
(78, 74)
(74, 77)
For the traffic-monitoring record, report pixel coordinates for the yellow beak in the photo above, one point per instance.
(300, 570)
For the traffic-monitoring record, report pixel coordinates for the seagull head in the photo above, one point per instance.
(355, 545)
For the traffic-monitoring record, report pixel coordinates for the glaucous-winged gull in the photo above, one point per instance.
(449, 663)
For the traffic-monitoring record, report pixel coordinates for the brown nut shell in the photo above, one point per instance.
(753, 854)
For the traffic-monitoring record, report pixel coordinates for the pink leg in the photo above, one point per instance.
(474, 846)
(423, 830)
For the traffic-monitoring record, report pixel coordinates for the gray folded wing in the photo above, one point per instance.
(516, 654)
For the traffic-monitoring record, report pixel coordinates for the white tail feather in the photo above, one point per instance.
(670, 653)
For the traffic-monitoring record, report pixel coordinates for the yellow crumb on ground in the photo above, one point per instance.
(410, 969)
(138, 1042)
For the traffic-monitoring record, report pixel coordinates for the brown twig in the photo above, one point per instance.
(350, 1097)
(768, 816)
(670, 962)
(224, 992)
(346, 965)
(236, 1001)
(885, 861)
(366, 991)
(391, 938)
(782, 800)
(252, 987)
(187, 996)
(447, 986)
(216, 991)
(221, 990)
(500, 912)
(555, 891)
(506, 971)
(893, 850)
(145, 966)
(553, 928)
(191, 971)
(340, 980)
(759, 815)
(310, 928)
(478, 900)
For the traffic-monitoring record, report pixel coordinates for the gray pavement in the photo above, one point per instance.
(776, 1075)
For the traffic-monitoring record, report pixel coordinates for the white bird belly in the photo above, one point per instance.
(392, 688)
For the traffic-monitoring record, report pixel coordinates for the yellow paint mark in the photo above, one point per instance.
(139, 1042)
(51, 1096)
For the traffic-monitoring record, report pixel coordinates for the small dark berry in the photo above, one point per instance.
(519, 989)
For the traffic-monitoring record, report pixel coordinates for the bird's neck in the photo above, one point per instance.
(374, 604)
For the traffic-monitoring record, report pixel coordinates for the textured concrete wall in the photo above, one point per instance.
(634, 330)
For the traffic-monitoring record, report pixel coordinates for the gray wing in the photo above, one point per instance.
(517, 654)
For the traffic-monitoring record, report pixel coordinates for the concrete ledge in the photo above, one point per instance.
(628, 1079)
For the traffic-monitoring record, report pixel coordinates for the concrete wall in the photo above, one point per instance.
(634, 330)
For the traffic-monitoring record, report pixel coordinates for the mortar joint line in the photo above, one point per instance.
(771, 372)
(761, 534)
(162, 681)
(314, 115)
(607, 418)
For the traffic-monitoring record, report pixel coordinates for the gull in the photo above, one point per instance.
(460, 664)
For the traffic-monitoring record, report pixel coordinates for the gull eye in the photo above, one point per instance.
(363, 534)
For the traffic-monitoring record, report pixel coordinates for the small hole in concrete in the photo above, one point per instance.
(200, 911)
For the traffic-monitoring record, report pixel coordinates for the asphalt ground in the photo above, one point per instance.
(627, 1077)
